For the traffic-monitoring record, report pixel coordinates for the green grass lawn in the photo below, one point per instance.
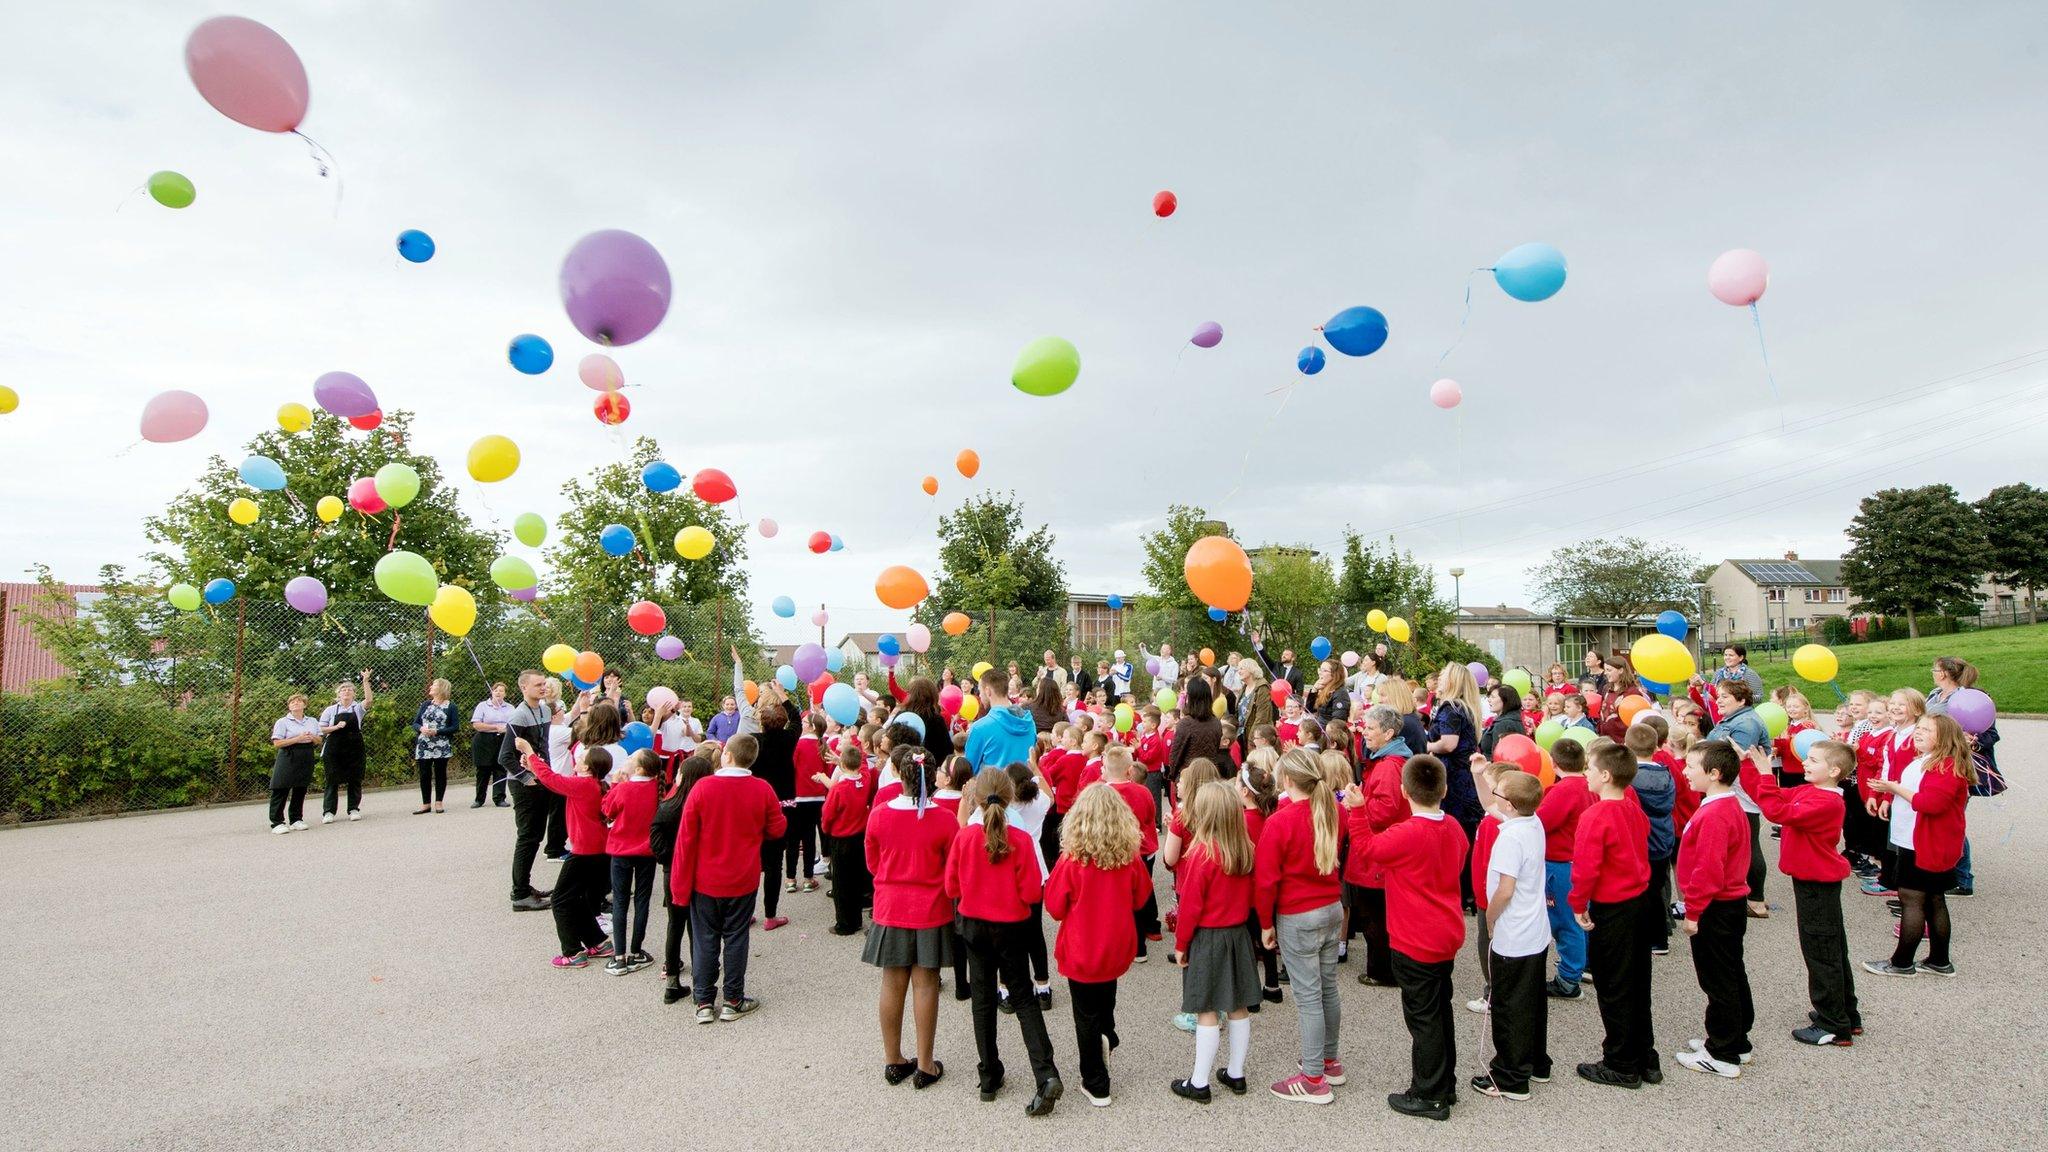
(2012, 665)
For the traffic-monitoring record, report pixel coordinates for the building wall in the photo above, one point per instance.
(1742, 608)
(23, 661)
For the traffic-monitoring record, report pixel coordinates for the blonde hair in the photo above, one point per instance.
(1100, 829)
(441, 689)
(1914, 699)
(1117, 758)
(1336, 769)
(1395, 693)
(1463, 689)
(1951, 752)
(1200, 770)
(1215, 822)
(1304, 772)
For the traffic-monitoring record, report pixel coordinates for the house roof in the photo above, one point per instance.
(1777, 572)
(1829, 571)
(24, 661)
(865, 641)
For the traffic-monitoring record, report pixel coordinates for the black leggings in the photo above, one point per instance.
(1921, 912)
(771, 879)
(801, 839)
(1034, 943)
(433, 779)
(1757, 864)
(678, 923)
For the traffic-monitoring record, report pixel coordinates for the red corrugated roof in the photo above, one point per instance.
(23, 662)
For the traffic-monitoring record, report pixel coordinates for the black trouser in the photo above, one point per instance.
(1824, 945)
(1619, 960)
(632, 877)
(771, 875)
(678, 923)
(718, 942)
(1034, 945)
(1094, 1024)
(801, 839)
(578, 890)
(1049, 838)
(1717, 959)
(1756, 855)
(1369, 919)
(558, 821)
(1269, 957)
(1521, 1020)
(1147, 915)
(1657, 906)
(1433, 1041)
(1471, 828)
(337, 782)
(850, 881)
(530, 804)
(1155, 783)
(288, 805)
(999, 951)
(433, 778)
(483, 752)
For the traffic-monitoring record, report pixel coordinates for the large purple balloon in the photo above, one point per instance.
(306, 594)
(808, 663)
(669, 648)
(615, 287)
(173, 416)
(1973, 710)
(1480, 676)
(344, 394)
(526, 595)
(1208, 335)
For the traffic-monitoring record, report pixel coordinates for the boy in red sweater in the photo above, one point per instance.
(1559, 814)
(845, 824)
(1422, 858)
(1713, 877)
(1119, 772)
(1610, 872)
(1811, 816)
(717, 872)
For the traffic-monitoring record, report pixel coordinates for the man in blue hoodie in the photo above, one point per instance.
(1005, 733)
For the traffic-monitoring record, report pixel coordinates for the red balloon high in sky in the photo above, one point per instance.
(1163, 204)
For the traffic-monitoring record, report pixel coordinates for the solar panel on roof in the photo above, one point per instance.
(1780, 572)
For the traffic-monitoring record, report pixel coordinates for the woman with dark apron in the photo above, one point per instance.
(296, 736)
(342, 722)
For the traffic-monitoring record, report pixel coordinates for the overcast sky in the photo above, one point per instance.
(868, 209)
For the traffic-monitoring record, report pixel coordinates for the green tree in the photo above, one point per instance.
(1377, 574)
(1170, 613)
(1293, 594)
(581, 570)
(2015, 520)
(1915, 550)
(1617, 579)
(990, 566)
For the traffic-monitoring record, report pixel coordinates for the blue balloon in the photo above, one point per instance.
(578, 682)
(615, 539)
(1671, 623)
(837, 543)
(262, 473)
(1116, 603)
(910, 720)
(415, 246)
(1319, 647)
(1804, 742)
(888, 645)
(1218, 615)
(841, 703)
(531, 354)
(1356, 331)
(1310, 360)
(786, 676)
(1531, 272)
(218, 590)
(634, 737)
(783, 607)
(834, 659)
(1656, 688)
(661, 476)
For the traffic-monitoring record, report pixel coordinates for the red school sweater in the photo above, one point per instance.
(1090, 773)
(1254, 824)
(1287, 881)
(1098, 935)
(1003, 890)
(1684, 801)
(1209, 896)
(1140, 801)
(1063, 769)
(907, 857)
(1422, 857)
(1482, 855)
(630, 806)
(1713, 855)
(718, 843)
(1940, 823)
(1870, 760)
(1385, 806)
(1812, 822)
(585, 796)
(846, 809)
(809, 758)
(1788, 760)
(1611, 857)
(1151, 752)
(1560, 811)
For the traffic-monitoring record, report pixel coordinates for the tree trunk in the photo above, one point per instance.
(2033, 610)
(1912, 624)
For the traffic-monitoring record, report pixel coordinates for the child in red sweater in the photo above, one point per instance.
(717, 872)
(1422, 858)
(1299, 897)
(629, 805)
(804, 816)
(1924, 802)
(1061, 767)
(1219, 976)
(844, 823)
(1563, 804)
(1713, 876)
(911, 938)
(1119, 772)
(1610, 871)
(992, 875)
(1811, 816)
(1094, 889)
(579, 888)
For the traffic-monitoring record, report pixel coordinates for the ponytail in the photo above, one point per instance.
(995, 793)
(1305, 773)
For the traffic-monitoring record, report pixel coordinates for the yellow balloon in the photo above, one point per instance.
(492, 458)
(453, 610)
(294, 417)
(1376, 620)
(1816, 662)
(329, 509)
(975, 673)
(243, 511)
(1221, 707)
(1661, 658)
(9, 400)
(1397, 630)
(559, 658)
(970, 707)
(695, 542)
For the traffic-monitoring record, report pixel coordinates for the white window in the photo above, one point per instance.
(1796, 622)
(1774, 595)
(1813, 595)
(1838, 595)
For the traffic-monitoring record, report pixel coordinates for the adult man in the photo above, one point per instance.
(1168, 676)
(1284, 670)
(1051, 669)
(530, 801)
(1083, 681)
(1005, 733)
(725, 723)
(1118, 677)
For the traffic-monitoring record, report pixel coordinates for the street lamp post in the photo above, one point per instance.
(1458, 600)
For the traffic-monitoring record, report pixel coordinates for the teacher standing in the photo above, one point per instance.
(296, 736)
(342, 724)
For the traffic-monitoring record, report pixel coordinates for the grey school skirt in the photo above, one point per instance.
(889, 947)
(1222, 974)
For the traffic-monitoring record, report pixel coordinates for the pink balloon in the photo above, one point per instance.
(818, 618)
(1207, 335)
(600, 373)
(768, 528)
(362, 496)
(1738, 277)
(1446, 394)
(248, 73)
(920, 637)
(172, 416)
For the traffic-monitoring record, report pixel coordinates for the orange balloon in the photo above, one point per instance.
(589, 667)
(1547, 774)
(1219, 573)
(1632, 706)
(900, 586)
(753, 690)
(968, 462)
(1208, 656)
(931, 485)
(955, 623)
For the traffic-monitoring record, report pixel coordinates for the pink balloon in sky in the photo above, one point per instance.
(173, 416)
(1207, 335)
(819, 618)
(1739, 277)
(600, 373)
(1446, 394)
(769, 528)
(248, 73)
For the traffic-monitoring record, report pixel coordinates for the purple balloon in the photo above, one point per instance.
(1151, 665)
(527, 595)
(668, 648)
(808, 663)
(344, 394)
(1479, 674)
(1208, 335)
(306, 594)
(615, 287)
(1973, 710)
(888, 659)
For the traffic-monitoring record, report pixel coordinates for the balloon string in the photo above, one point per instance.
(130, 196)
(324, 160)
(1463, 319)
(1287, 391)
(1758, 319)
(397, 518)
(473, 660)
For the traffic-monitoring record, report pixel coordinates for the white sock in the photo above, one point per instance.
(1208, 1038)
(1036, 987)
(1240, 1044)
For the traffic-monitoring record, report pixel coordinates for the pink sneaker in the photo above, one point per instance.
(1303, 1090)
(774, 922)
(579, 960)
(600, 951)
(1333, 1072)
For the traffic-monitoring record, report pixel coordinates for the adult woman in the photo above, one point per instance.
(1396, 694)
(1254, 703)
(1735, 666)
(1327, 698)
(435, 723)
(1046, 706)
(296, 736)
(776, 764)
(1198, 736)
(1368, 676)
(1952, 675)
(921, 699)
(342, 724)
(1596, 670)
(1737, 722)
(1454, 738)
(487, 735)
(1507, 717)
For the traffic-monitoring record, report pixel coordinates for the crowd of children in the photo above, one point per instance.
(1281, 842)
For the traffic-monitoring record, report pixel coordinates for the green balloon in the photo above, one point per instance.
(1166, 700)
(1583, 737)
(1548, 732)
(1518, 679)
(184, 597)
(408, 578)
(397, 484)
(1773, 715)
(512, 574)
(1046, 367)
(171, 189)
(529, 529)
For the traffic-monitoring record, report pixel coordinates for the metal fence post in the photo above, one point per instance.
(235, 697)
(717, 629)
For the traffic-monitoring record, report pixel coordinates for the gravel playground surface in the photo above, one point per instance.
(191, 981)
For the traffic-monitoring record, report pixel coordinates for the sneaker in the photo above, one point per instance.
(640, 958)
(1302, 1090)
(1343, 952)
(1366, 979)
(327, 817)
(773, 922)
(1701, 1062)
(617, 966)
(1660, 949)
(298, 825)
(1936, 969)
(1600, 1073)
(1185, 1021)
(1154, 937)
(1873, 888)
(1697, 1044)
(279, 829)
(734, 1009)
(355, 814)
(1961, 890)
(579, 960)
(1044, 999)
(1677, 909)
(1479, 1004)
(1485, 1086)
(1141, 957)
(533, 903)
(706, 1013)
(1559, 990)
(789, 886)
(1855, 1029)
(1099, 1101)
(600, 950)
(494, 804)
(1887, 968)
(478, 804)
(1408, 1105)
(1333, 1073)
(1187, 1091)
(1820, 1037)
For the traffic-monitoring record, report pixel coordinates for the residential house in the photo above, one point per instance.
(1791, 595)
(23, 660)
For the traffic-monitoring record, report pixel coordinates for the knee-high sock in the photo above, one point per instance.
(1240, 1045)
(1208, 1038)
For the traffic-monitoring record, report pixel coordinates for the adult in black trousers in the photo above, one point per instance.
(776, 763)
(530, 801)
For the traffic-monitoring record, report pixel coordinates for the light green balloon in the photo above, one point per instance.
(1548, 732)
(184, 597)
(1518, 679)
(407, 577)
(529, 529)
(1583, 737)
(397, 484)
(1773, 715)
(171, 189)
(512, 574)
(1166, 700)
(1048, 366)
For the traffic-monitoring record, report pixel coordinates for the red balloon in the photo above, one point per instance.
(362, 496)
(949, 701)
(1520, 751)
(821, 542)
(369, 421)
(611, 408)
(1281, 691)
(713, 486)
(818, 687)
(1163, 204)
(646, 618)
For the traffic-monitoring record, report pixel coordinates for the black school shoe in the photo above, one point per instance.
(991, 1082)
(1600, 1073)
(1042, 1100)
(1238, 1085)
(1559, 990)
(1408, 1105)
(1187, 1091)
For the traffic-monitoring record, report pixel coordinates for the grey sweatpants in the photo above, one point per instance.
(1308, 946)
